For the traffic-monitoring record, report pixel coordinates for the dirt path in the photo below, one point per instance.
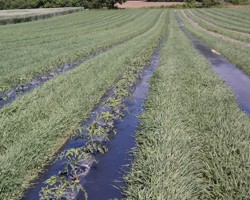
(194, 24)
(142, 4)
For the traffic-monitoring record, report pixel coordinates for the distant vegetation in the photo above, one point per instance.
(23, 4)
(204, 3)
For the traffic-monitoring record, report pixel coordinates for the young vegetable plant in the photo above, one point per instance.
(59, 187)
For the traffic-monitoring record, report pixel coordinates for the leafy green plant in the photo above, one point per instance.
(59, 187)
(95, 146)
(96, 130)
(73, 159)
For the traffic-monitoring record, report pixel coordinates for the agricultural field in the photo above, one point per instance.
(25, 15)
(65, 40)
(226, 31)
(42, 119)
(192, 129)
(193, 139)
(144, 4)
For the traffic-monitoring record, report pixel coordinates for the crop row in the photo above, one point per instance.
(9, 95)
(95, 135)
(236, 13)
(194, 140)
(214, 28)
(35, 125)
(229, 17)
(223, 21)
(18, 16)
(236, 53)
(196, 25)
(30, 50)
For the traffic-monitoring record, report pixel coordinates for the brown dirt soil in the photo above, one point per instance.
(194, 24)
(142, 4)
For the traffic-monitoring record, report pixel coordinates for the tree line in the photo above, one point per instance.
(25, 4)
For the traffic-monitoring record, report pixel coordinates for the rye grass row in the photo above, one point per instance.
(20, 16)
(31, 50)
(57, 29)
(36, 124)
(244, 11)
(237, 54)
(194, 141)
(218, 29)
(227, 13)
(87, 22)
(222, 21)
(66, 182)
(236, 12)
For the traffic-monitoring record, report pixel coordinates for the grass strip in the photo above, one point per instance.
(35, 15)
(235, 12)
(37, 124)
(214, 28)
(194, 141)
(243, 11)
(215, 33)
(237, 54)
(226, 14)
(221, 21)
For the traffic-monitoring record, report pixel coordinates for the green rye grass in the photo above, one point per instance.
(36, 124)
(194, 141)
(26, 15)
(223, 21)
(218, 29)
(31, 49)
(237, 54)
